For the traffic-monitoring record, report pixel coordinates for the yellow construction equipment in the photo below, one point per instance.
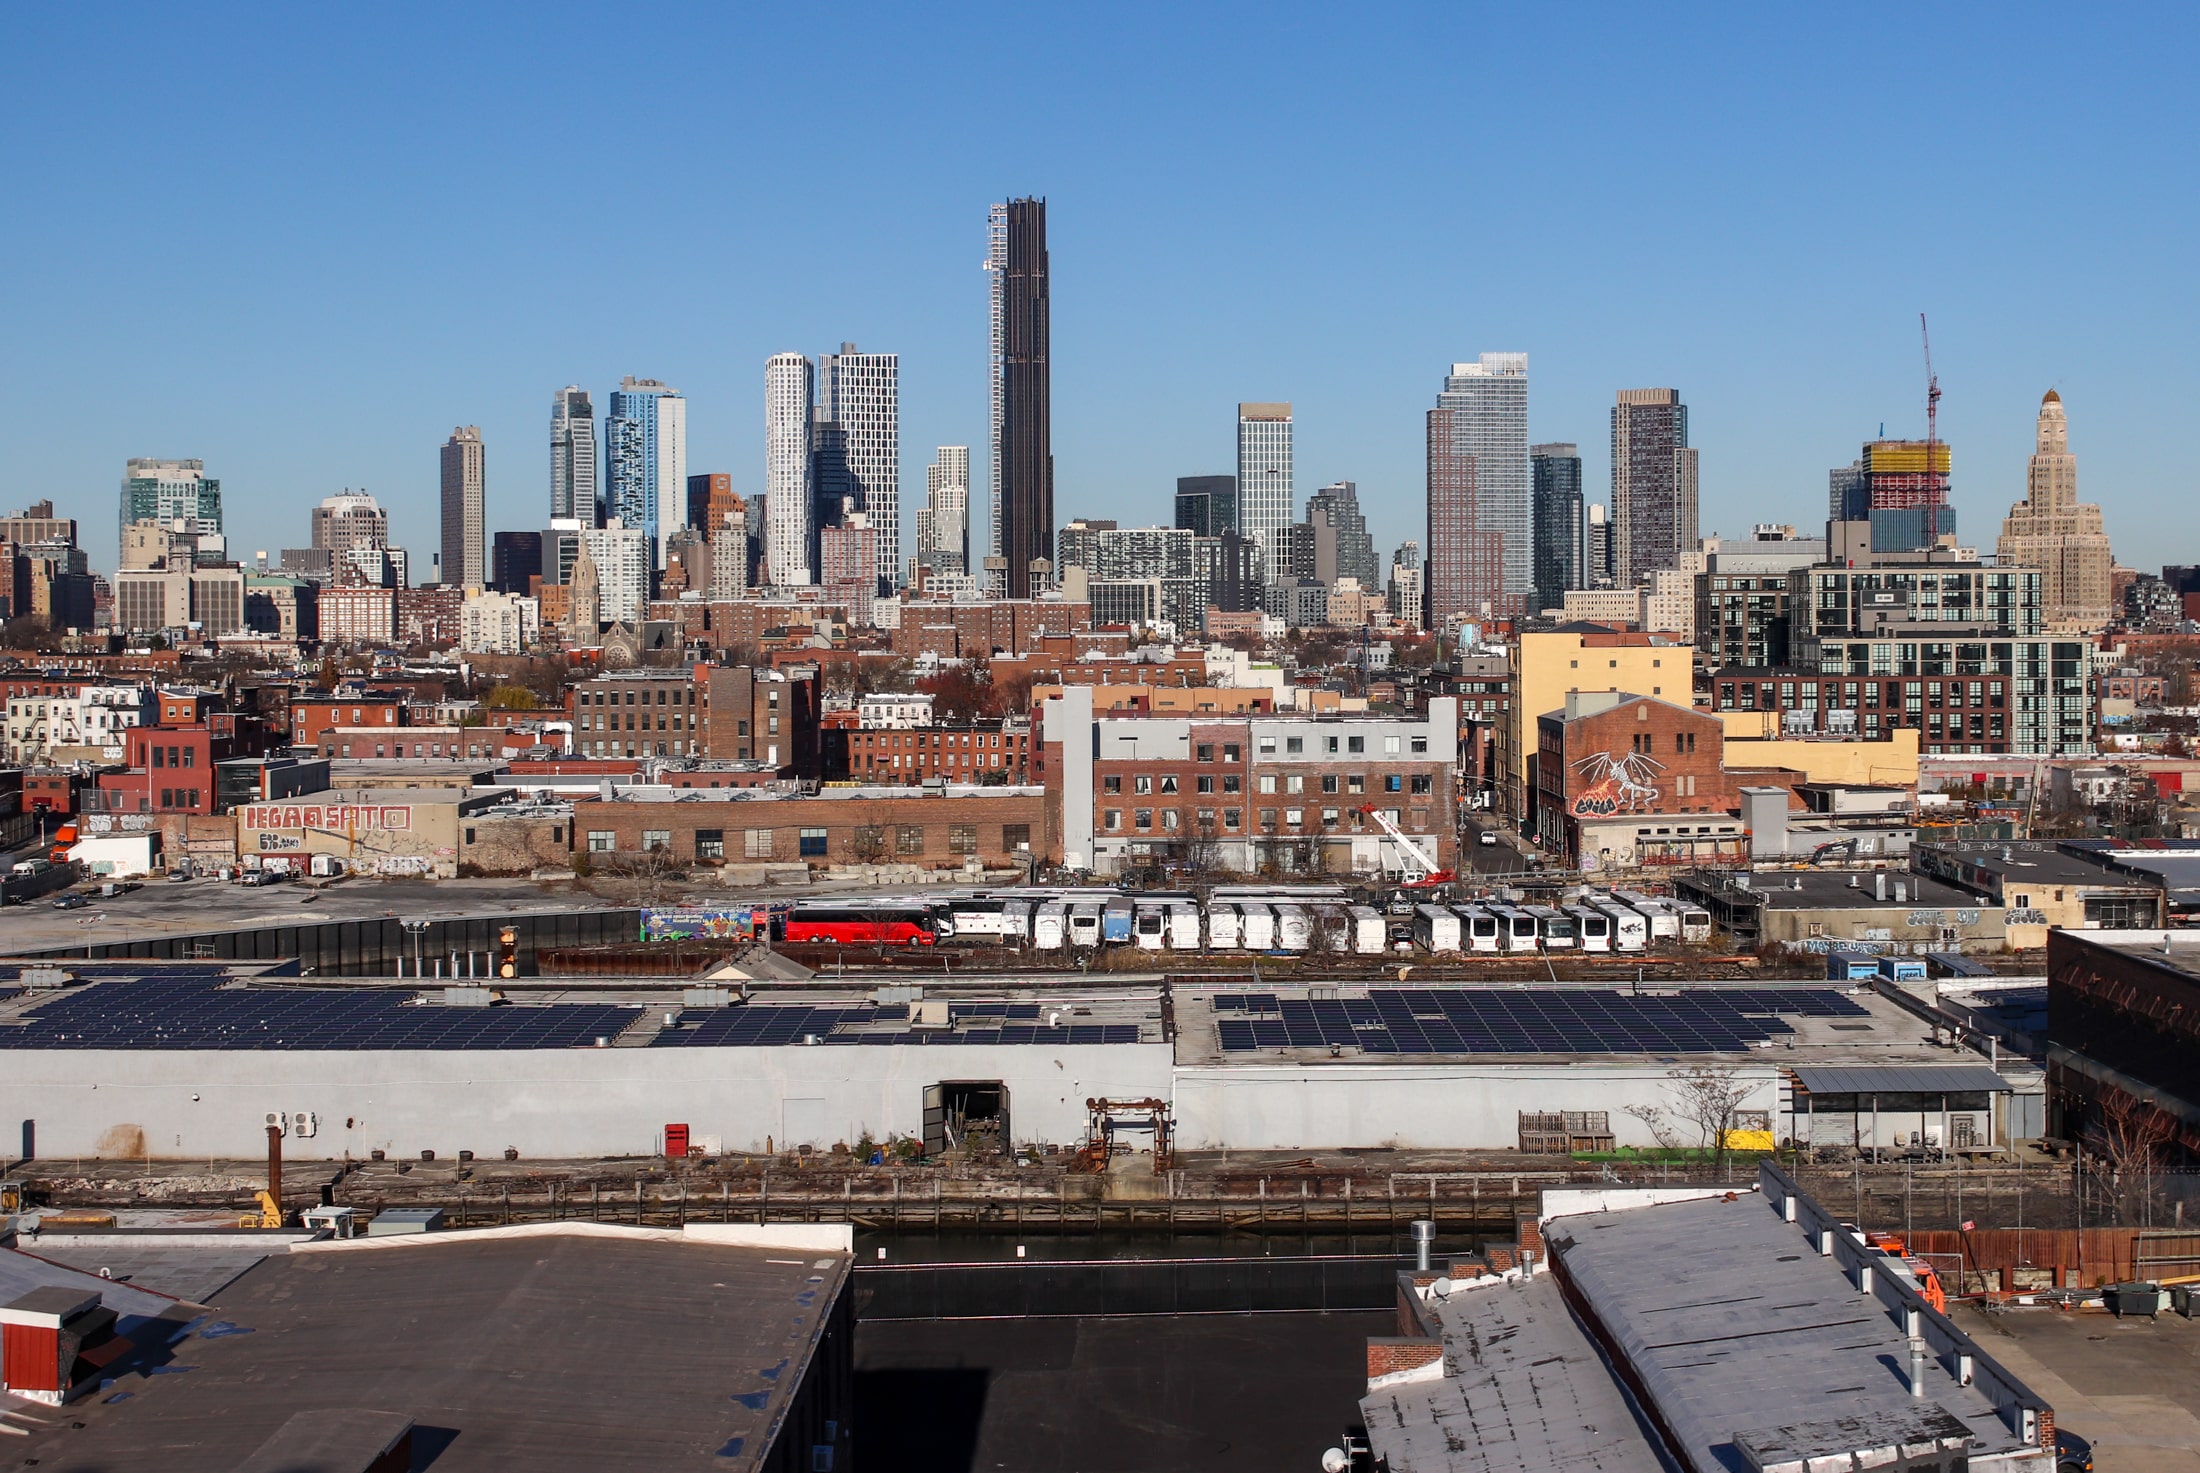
(270, 1214)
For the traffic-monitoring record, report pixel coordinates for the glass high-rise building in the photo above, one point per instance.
(1560, 552)
(1206, 506)
(574, 490)
(645, 457)
(169, 491)
(1342, 546)
(1266, 495)
(858, 411)
(1653, 484)
(1481, 535)
(790, 390)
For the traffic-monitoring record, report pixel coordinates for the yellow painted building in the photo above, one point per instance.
(1546, 667)
(1753, 740)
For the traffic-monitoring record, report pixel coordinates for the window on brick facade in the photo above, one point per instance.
(1015, 836)
(710, 843)
(1142, 818)
(812, 843)
(909, 838)
(1205, 784)
(1268, 818)
(1168, 819)
(1168, 782)
(1111, 784)
(1232, 783)
(756, 843)
(1111, 819)
(1206, 751)
(1329, 782)
(1356, 783)
(1423, 783)
(1142, 783)
(962, 838)
(602, 841)
(653, 839)
(1268, 782)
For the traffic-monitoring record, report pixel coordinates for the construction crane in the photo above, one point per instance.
(1935, 490)
(1430, 874)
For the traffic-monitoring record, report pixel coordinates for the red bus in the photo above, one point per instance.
(865, 925)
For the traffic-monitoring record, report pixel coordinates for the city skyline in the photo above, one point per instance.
(1783, 383)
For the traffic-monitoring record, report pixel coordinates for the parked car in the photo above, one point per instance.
(178, 876)
(70, 902)
(2073, 1454)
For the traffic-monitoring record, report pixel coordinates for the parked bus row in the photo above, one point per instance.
(1297, 919)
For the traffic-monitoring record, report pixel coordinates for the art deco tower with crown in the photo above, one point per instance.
(2060, 535)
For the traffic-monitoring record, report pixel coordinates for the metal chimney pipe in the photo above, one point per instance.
(1917, 1366)
(1424, 1237)
(275, 1165)
(1879, 884)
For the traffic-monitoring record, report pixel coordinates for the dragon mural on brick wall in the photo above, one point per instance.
(1617, 784)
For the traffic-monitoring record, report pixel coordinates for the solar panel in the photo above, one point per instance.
(1413, 1020)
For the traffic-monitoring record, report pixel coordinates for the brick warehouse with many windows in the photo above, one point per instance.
(837, 826)
(1262, 792)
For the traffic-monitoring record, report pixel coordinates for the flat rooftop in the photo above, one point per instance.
(1838, 890)
(1743, 1329)
(219, 1006)
(1580, 1023)
(2038, 863)
(607, 1350)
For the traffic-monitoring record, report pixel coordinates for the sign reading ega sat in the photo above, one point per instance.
(340, 818)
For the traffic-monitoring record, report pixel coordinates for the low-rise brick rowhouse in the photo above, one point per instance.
(943, 827)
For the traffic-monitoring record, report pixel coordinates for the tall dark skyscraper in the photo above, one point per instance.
(1024, 457)
(1560, 557)
(1207, 505)
(1653, 484)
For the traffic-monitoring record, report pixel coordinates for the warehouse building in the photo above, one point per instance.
(372, 831)
(733, 1346)
(1769, 1338)
(1828, 910)
(941, 826)
(2123, 1029)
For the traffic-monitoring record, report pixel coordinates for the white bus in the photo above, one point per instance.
(1630, 931)
(1294, 928)
(1664, 921)
(1150, 925)
(1183, 926)
(1016, 921)
(1592, 926)
(1084, 923)
(1515, 928)
(1370, 932)
(1256, 926)
(1435, 928)
(1050, 926)
(978, 918)
(1477, 927)
(1555, 927)
(1222, 925)
(1695, 921)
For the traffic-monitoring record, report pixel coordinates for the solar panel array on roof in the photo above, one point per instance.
(763, 1025)
(1552, 1021)
(194, 1010)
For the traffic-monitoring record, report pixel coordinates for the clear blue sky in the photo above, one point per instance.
(302, 243)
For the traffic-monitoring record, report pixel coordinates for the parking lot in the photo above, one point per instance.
(2130, 1387)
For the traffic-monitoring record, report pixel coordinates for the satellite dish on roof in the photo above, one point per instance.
(1442, 1288)
(1334, 1461)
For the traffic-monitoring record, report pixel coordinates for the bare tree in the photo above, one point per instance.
(652, 876)
(1658, 1123)
(1708, 1098)
(2130, 1138)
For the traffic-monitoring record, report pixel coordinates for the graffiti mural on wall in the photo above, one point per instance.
(1617, 784)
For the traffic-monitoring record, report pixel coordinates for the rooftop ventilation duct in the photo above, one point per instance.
(1879, 884)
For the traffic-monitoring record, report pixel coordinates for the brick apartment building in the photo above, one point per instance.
(729, 712)
(1624, 779)
(977, 629)
(973, 752)
(1249, 793)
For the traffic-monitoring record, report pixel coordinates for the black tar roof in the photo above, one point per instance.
(560, 1350)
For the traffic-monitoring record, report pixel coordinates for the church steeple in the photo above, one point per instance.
(584, 600)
